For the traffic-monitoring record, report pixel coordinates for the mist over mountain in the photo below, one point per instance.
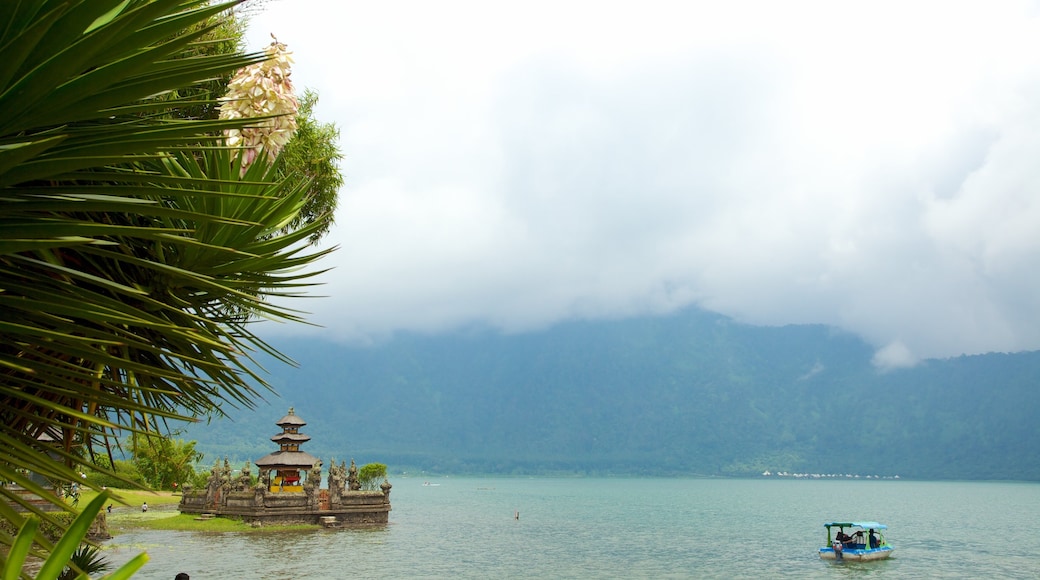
(693, 393)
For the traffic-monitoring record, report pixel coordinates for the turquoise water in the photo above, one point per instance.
(632, 528)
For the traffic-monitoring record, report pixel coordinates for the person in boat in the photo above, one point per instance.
(847, 540)
(874, 540)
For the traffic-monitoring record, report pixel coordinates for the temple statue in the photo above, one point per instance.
(337, 482)
(259, 491)
(314, 476)
(355, 483)
(312, 487)
(225, 481)
(244, 481)
(213, 483)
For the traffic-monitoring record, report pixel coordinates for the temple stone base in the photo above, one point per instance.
(354, 508)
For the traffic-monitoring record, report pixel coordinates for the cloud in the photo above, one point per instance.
(894, 355)
(870, 166)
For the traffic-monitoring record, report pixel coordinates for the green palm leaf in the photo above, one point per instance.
(134, 252)
(64, 551)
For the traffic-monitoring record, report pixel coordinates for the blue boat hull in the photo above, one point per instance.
(858, 555)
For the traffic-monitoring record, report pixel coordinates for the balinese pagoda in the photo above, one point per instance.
(286, 466)
(288, 489)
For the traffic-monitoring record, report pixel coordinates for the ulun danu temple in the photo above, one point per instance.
(288, 489)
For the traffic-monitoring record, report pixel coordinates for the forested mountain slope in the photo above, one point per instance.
(692, 393)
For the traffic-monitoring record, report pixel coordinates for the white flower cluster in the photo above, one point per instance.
(262, 90)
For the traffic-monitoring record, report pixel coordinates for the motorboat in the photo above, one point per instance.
(856, 541)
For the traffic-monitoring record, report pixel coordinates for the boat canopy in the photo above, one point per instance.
(867, 525)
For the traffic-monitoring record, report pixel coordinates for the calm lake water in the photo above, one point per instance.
(631, 528)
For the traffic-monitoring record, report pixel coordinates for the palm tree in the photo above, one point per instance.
(134, 252)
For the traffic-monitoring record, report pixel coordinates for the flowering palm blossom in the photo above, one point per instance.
(262, 90)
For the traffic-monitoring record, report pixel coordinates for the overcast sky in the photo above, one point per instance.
(869, 165)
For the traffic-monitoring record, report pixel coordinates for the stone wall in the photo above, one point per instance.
(260, 505)
(356, 507)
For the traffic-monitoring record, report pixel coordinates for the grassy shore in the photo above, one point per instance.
(162, 514)
(134, 497)
(191, 522)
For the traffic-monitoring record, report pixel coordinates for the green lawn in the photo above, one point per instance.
(191, 522)
(163, 515)
(133, 497)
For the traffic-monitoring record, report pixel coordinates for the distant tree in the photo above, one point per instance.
(123, 474)
(371, 475)
(199, 480)
(164, 461)
(312, 158)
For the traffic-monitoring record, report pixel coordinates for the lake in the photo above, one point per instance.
(630, 528)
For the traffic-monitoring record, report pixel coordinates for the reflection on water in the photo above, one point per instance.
(614, 528)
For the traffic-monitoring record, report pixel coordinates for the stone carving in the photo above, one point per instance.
(225, 482)
(337, 482)
(244, 481)
(314, 476)
(259, 491)
(312, 486)
(213, 484)
(355, 483)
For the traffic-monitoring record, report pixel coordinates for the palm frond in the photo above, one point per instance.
(134, 252)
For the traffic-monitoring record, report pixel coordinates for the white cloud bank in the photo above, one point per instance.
(869, 165)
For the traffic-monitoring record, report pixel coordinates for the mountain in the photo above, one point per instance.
(693, 393)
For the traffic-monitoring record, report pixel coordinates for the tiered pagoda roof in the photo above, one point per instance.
(289, 440)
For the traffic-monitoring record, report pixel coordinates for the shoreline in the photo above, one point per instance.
(168, 517)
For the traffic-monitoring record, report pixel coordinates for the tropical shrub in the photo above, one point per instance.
(371, 475)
